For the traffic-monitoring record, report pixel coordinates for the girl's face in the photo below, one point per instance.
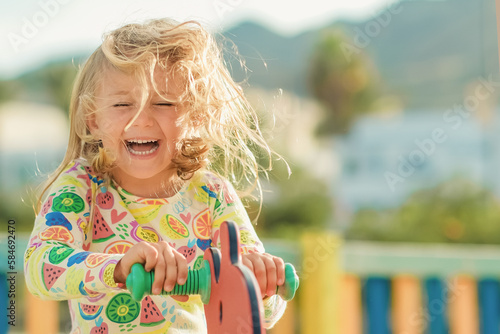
(144, 151)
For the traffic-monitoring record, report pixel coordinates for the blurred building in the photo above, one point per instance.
(33, 139)
(385, 159)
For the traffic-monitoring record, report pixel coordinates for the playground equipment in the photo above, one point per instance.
(233, 303)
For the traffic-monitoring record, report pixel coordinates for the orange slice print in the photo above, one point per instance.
(95, 259)
(118, 247)
(58, 232)
(202, 226)
(152, 201)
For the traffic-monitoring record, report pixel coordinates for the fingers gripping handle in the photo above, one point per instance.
(139, 282)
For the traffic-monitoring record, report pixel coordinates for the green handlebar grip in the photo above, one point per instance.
(287, 290)
(198, 281)
(139, 282)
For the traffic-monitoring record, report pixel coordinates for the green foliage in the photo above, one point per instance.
(15, 205)
(8, 90)
(51, 83)
(296, 204)
(456, 211)
(344, 85)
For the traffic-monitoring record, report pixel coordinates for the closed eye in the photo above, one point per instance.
(167, 104)
(122, 105)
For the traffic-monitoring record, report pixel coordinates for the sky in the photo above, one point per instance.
(32, 32)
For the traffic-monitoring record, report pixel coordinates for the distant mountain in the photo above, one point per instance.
(432, 49)
(427, 52)
(273, 61)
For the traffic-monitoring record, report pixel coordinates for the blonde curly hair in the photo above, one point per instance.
(220, 129)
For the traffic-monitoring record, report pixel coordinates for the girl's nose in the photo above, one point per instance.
(143, 118)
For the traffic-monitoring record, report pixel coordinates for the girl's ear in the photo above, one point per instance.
(92, 124)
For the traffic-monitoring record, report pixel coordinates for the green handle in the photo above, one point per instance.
(140, 282)
(287, 290)
(198, 281)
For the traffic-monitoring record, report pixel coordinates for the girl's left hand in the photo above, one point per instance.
(268, 269)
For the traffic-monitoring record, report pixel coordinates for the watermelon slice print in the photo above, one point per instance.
(50, 274)
(150, 313)
(89, 312)
(102, 231)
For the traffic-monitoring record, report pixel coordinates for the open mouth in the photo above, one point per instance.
(142, 147)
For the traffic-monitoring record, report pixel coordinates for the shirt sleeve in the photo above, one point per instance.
(57, 262)
(227, 206)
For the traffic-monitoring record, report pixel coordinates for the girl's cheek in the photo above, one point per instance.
(105, 122)
(113, 121)
(109, 142)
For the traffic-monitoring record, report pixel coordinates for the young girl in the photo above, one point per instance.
(157, 127)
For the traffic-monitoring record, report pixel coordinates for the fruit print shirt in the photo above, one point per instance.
(69, 258)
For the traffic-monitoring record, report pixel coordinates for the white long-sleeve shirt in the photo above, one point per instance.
(72, 257)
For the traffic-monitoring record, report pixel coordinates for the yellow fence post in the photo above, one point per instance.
(320, 284)
(42, 316)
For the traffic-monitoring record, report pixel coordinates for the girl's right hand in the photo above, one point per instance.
(169, 265)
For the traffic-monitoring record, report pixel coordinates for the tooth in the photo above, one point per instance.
(141, 141)
(143, 152)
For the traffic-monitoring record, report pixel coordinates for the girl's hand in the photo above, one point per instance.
(269, 271)
(170, 266)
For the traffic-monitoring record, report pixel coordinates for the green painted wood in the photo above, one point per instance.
(364, 258)
(388, 259)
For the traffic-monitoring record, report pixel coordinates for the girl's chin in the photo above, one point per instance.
(142, 166)
(143, 178)
(142, 170)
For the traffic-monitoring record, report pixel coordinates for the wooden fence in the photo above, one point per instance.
(345, 288)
